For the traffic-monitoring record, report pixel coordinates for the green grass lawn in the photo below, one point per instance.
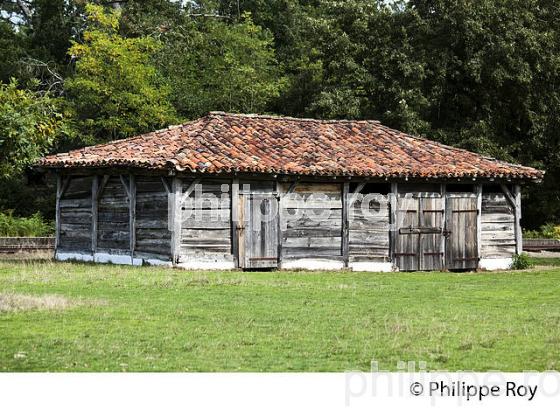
(80, 317)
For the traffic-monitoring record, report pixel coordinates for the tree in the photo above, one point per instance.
(221, 66)
(116, 90)
(29, 126)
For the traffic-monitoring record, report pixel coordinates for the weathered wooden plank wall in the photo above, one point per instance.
(311, 221)
(153, 233)
(498, 227)
(113, 233)
(206, 221)
(369, 220)
(75, 215)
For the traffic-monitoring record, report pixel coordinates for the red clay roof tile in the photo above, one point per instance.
(221, 142)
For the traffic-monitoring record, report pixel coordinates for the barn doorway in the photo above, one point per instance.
(258, 230)
(435, 233)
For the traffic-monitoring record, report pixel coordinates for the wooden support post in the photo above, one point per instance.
(443, 224)
(279, 221)
(57, 216)
(94, 213)
(235, 220)
(61, 187)
(393, 217)
(515, 202)
(175, 219)
(479, 223)
(419, 242)
(132, 215)
(518, 231)
(345, 223)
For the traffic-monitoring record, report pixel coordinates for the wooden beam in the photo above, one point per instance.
(234, 220)
(345, 224)
(132, 215)
(63, 187)
(175, 219)
(508, 195)
(166, 185)
(518, 231)
(125, 183)
(478, 188)
(190, 189)
(291, 188)
(102, 185)
(356, 192)
(95, 192)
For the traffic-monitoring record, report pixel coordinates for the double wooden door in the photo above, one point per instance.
(434, 233)
(257, 230)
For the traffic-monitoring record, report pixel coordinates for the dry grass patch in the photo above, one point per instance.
(17, 302)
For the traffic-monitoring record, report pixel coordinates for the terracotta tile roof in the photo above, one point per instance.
(221, 142)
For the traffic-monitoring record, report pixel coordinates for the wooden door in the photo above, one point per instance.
(406, 242)
(431, 235)
(258, 230)
(461, 224)
(419, 241)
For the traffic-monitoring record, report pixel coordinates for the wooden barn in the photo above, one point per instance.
(252, 191)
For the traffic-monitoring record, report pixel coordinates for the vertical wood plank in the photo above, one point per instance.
(241, 231)
(132, 214)
(518, 231)
(393, 221)
(234, 219)
(443, 224)
(420, 248)
(478, 223)
(57, 216)
(94, 212)
(345, 231)
(175, 219)
(280, 196)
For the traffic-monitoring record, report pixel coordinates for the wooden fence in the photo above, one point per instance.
(541, 245)
(25, 244)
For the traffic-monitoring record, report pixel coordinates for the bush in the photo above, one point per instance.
(30, 226)
(548, 231)
(521, 261)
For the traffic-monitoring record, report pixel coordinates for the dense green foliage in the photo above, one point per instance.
(482, 75)
(29, 124)
(549, 231)
(115, 90)
(83, 317)
(34, 225)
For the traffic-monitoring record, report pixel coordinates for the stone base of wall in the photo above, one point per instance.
(495, 264)
(102, 257)
(207, 265)
(312, 264)
(372, 266)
